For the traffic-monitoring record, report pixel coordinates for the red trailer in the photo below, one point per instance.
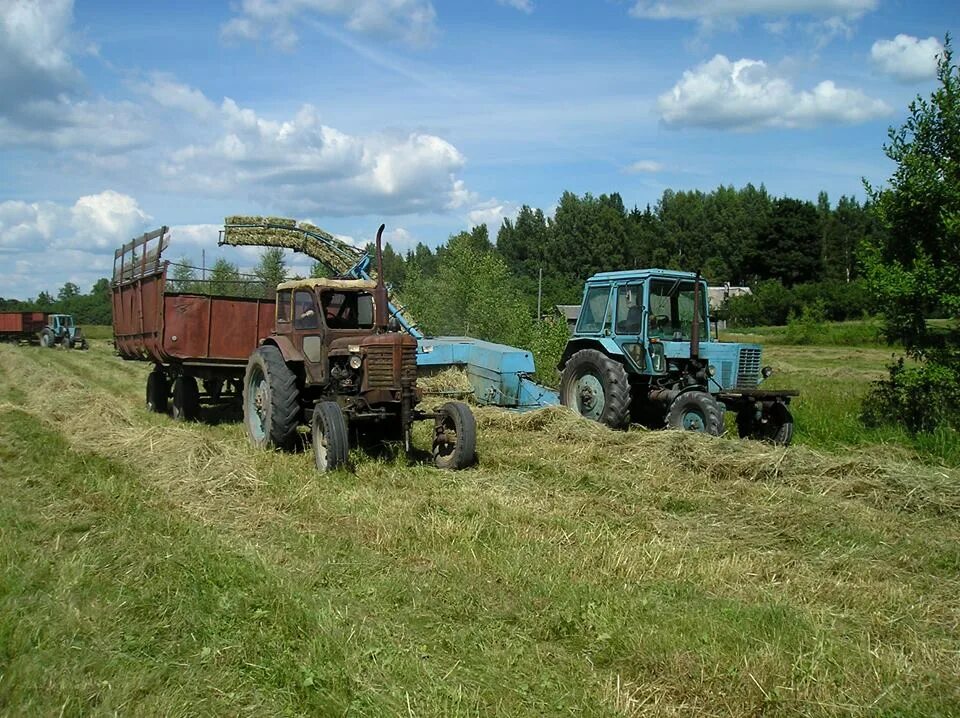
(189, 336)
(22, 326)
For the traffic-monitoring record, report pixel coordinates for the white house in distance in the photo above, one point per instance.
(715, 295)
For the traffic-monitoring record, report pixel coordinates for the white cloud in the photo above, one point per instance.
(650, 166)
(525, 6)
(56, 243)
(34, 59)
(747, 95)
(305, 166)
(711, 10)
(907, 58)
(412, 21)
(173, 95)
(492, 213)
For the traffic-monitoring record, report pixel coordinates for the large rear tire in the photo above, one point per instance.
(455, 436)
(46, 338)
(158, 389)
(596, 387)
(271, 407)
(186, 399)
(331, 443)
(696, 411)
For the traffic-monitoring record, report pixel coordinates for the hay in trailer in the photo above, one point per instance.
(452, 382)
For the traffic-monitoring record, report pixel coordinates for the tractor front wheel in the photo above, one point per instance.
(455, 436)
(271, 408)
(597, 388)
(186, 399)
(330, 439)
(774, 426)
(696, 411)
(158, 389)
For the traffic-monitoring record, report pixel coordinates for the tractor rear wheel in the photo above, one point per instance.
(696, 411)
(46, 338)
(158, 389)
(455, 436)
(186, 399)
(597, 388)
(271, 408)
(775, 426)
(331, 443)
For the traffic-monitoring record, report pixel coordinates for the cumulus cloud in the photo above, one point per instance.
(305, 166)
(492, 213)
(746, 95)
(34, 59)
(907, 58)
(412, 21)
(639, 166)
(709, 10)
(56, 243)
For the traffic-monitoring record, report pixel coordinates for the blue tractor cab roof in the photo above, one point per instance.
(627, 274)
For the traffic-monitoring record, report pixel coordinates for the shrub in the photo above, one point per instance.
(923, 397)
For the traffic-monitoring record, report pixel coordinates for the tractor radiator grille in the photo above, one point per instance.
(380, 366)
(748, 369)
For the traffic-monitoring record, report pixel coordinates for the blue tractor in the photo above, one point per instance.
(61, 330)
(642, 352)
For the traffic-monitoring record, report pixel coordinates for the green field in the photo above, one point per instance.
(150, 568)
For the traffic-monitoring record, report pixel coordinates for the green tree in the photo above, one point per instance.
(224, 279)
(271, 269)
(913, 267)
(67, 292)
(183, 276)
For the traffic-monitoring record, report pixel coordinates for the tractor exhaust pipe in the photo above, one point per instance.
(695, 329)
(380, 291)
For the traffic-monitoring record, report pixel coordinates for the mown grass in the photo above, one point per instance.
(148, 568)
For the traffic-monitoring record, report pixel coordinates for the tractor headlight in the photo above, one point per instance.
(658, 358)
(355, 361)
(766, 372)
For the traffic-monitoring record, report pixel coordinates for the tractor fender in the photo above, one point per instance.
(290, 353)
(603, 344)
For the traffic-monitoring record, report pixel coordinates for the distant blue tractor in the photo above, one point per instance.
(642, 352)
(62, 331)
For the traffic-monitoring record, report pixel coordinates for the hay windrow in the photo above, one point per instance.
(452, 382)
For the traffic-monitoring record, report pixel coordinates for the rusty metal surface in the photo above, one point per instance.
(152, 325)
(22, 322)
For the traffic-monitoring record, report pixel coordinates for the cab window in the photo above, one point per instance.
(304, 310)
(671, 309)
(629, 309)
(347, 310)
(594, 310)
(283, 305)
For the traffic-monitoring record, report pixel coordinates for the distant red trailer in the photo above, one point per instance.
(22, 326)
(188, 336)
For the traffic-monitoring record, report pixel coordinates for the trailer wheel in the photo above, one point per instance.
(271, 409)
(186, 399)
(330, 439)
(776, 426)
(455, 436)
(158, 389)
(696, 411)
(597, 388)
(46, 338)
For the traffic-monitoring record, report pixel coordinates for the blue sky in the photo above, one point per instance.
(431, 116)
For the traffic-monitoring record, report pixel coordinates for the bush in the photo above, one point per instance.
(923, 397)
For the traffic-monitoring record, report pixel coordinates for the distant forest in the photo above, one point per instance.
(793, 253)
